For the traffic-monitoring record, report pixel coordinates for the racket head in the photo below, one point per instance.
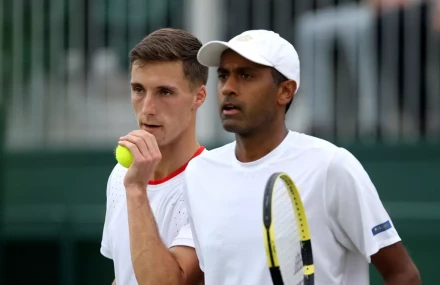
(286, 233)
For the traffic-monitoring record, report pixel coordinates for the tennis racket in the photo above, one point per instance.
(286, 233)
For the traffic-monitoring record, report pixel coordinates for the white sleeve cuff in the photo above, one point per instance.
(182, 242)
(381, 245)
(105, 251)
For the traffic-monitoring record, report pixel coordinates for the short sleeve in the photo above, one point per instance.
(357, 215)
(184, 237)
(186, 197)
(180, 224)
(105, 242)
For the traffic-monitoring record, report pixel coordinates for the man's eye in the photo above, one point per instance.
(138, 90)
(166, 92)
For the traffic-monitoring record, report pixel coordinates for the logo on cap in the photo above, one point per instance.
(243, 38)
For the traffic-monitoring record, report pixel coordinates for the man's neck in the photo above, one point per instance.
(261, 142)
(175, 156)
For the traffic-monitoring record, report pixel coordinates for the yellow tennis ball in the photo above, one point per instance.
(124, 156)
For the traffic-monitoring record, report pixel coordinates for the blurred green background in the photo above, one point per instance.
(370, 75)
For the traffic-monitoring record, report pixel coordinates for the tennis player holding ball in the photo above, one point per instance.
(146, 230)
(258, 74)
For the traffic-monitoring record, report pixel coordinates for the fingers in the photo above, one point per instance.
(143, 146)
(150, 141)
(138, 142)
(137, 155)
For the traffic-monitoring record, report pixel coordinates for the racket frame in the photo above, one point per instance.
(269, 231)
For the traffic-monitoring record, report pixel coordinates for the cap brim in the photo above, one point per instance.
(210, 54)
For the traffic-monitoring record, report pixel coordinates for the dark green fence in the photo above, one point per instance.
(52, 221)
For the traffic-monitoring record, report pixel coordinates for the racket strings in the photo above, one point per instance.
(287, 235)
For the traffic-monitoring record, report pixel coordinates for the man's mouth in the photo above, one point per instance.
(230, 109)
(150, 126)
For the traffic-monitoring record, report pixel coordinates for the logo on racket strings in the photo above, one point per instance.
(298, 263)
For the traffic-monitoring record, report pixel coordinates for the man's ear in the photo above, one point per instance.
(286, 91)
(199, 97)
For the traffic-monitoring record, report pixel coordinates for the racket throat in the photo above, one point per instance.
(269, 249)
(275, 273)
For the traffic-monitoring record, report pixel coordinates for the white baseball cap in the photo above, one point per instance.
(259, 46)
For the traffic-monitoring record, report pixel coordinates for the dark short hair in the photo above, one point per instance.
(169, 44)
(278, 78)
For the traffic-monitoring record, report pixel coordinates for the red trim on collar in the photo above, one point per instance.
(178, 171)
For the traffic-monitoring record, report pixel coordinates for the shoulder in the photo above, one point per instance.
(117, 172)
(337, 160)
(211, 157)
(305, 142)
(343, 161)
(345, 174)
(218, 154)
(116, 177)
(316, 149)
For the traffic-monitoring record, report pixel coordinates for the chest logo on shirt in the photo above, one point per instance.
(381, 228)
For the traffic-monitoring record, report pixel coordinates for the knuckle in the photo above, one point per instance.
(142, 160)
(137, 139)
(148, 159)
(151, 137)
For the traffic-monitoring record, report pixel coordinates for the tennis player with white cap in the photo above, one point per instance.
(259, 73)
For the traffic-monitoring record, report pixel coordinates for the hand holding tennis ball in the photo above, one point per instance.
(138, 151)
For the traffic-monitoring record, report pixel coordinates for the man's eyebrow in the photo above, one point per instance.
(136, 84)
(247, 69)
(162, 86)
(166, 86)
(222, 70)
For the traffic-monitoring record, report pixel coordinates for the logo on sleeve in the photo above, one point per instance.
(381, 228)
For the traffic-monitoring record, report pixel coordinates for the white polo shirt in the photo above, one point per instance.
(166, 201)
(224, 200)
